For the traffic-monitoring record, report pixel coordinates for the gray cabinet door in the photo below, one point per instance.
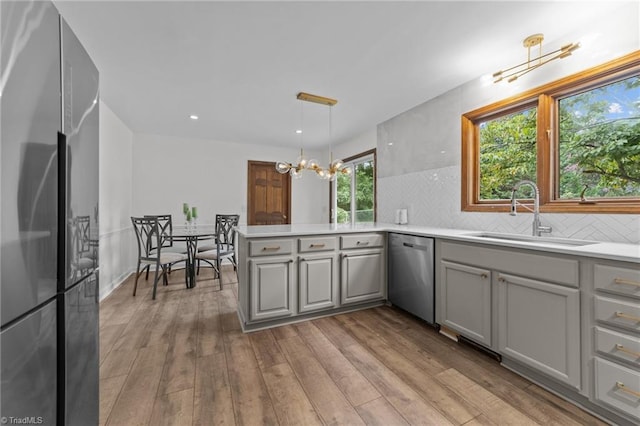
(272, 288)
(466, 300)
(317, 282)
(362, 276)
(539, 326)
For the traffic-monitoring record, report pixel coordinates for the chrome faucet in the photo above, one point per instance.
(537, 228)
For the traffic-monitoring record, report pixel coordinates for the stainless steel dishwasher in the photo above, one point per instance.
(411, 275)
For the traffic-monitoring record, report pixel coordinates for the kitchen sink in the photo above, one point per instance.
(531, 239)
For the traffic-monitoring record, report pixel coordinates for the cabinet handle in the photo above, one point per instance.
(316, 245)
(627, 316)
(623, 388)
(621, 348)
(485, 276)
(362, 243)
(290, 260)
(502, 280)
(622, 281)
(270, 248)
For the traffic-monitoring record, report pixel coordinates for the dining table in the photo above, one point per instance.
(191, 235)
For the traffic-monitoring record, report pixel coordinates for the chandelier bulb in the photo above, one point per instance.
(301, 162)
(282, 167)
(295, 173)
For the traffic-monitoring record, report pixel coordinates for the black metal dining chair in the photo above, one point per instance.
(224, 246)
(150, 251)
(165, 226)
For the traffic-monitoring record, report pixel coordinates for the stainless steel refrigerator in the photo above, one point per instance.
(49, 220)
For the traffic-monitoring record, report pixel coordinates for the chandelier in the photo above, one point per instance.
(513, 73)
(335, 166)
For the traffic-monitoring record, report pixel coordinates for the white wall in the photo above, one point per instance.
(117, 251)
(421, 170)
(361, 143)
(212, 175)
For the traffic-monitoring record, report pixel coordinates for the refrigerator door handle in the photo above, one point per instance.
(62, 211)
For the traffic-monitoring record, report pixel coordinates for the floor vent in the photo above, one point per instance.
(480, 348)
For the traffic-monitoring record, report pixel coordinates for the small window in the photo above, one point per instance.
(355, 195)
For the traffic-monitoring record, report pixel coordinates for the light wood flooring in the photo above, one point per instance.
(183, 360)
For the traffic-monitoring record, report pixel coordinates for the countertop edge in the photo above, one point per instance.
(600, 250)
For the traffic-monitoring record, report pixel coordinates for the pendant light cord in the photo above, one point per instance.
(330, 138)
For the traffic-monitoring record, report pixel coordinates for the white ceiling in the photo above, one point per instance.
(239, 65)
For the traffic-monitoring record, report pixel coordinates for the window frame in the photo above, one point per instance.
(545, 98)
(333, 201)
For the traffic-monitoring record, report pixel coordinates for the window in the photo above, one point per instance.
(599, 142)
(355, 194)
(578, 138)
(507, 153)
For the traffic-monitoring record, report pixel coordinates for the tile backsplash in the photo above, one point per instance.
(432, 198)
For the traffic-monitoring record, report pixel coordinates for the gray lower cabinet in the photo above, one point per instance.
(466, 300)
(616, 335)
(362, 276)
(539, 326)
(521, 304)
(273, 288)
(317, 282)
(285, 278)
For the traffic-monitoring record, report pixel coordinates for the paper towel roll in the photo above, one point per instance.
(403, 217)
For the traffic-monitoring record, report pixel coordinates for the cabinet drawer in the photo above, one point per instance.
(312, 244)
(618, 345)
(618, 386)
(361, 241)
(270, 247)
(618, 280)
(621, 313)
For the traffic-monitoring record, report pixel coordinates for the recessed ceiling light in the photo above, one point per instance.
(193, 117)
(298, 131)
(390, 144)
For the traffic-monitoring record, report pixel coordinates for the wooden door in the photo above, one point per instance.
(268, 195)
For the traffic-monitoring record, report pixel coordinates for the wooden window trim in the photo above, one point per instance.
(546, 99)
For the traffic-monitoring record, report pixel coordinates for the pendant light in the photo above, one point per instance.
(295, 170)
(335, 166)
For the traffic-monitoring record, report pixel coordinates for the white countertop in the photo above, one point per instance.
(596, 249)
